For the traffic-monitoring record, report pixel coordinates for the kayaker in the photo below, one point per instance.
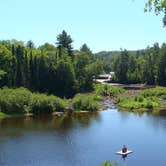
(124, 149)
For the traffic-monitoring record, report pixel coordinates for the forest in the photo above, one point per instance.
(63, 71)
(54, 69)
(146, 66)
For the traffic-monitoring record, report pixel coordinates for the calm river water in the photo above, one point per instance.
(86, 140)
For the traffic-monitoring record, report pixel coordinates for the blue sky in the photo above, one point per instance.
(102, 24)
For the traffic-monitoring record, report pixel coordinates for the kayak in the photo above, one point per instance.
(126, 153)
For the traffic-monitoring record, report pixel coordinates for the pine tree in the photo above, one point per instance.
(64, 40)
(20, 77)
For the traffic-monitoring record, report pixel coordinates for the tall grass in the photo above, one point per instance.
(108, 90)
(154, 92)
(148, 98)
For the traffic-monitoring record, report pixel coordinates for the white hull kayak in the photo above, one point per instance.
(123, 154)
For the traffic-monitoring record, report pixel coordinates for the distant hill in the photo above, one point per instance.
(111, 55)
(108, 58)
(103, 55)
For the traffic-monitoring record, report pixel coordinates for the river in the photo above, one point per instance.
(83, 140)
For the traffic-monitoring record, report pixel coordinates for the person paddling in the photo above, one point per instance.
(124, 149)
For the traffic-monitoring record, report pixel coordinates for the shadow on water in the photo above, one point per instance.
(17, 126)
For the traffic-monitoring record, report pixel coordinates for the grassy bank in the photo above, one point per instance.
(153, 99)
(148, 99)
(22, 102)
(3, 115)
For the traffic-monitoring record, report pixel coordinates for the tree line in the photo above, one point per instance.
(145, 66)
(60, 70)
(56, 69)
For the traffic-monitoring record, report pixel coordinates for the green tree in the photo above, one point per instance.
(85, 48)
(2, 74)
(121, 66)
(30, 44)
(20, 77)
(65, 78)
(65, 41)
(162, 66)
(31, 68)
(158, 6)
(27, 70)
(81, 60)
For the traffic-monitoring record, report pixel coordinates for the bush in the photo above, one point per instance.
(139, 98)
(149, 105)
(158, 92)
(138, 102)
(21, 101)
(108, 90)
(15, 100)
(42, 104)
(85, 102)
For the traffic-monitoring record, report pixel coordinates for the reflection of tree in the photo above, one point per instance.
(3, 158)
(68, 121)
(85, 118)
(124, 116)
(65, 122)
(17, 126)
(156, 121)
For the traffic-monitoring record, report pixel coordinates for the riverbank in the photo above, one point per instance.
(134, 98)
(146, 100)
(21, 102)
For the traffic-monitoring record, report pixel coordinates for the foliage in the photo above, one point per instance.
(158, 6)
(108, 90)
(86, 69)
(142, 66)
(64, 72)
(148, 66)
(15, 100)
(85, 48)
(128, 102)
(2, 74)
(154, 92)
(22, 101)
(49, 69)
(109, 163)
(65, 41)
(148, 98)
(85, 102)
(42, 103)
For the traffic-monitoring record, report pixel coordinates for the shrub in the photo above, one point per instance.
(21, 101)
(42, 104)
(108, 90)
(138, 102)
(149, 105)
(15, 100)
(158, 92)
(85, 102)
(139, 98)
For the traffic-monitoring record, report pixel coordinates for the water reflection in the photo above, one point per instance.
(155, 119)
(17, 126)
(82, 139)
(157, 122)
